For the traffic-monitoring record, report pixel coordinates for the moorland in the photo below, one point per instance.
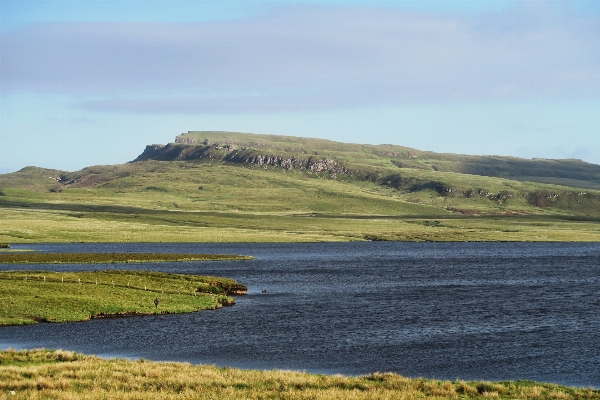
(237, 187)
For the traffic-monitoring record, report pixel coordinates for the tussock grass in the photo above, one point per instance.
(28, 297)
(67, 375)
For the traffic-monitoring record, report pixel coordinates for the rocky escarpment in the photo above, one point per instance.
(311, 164)
(186, 140)
(230, 153)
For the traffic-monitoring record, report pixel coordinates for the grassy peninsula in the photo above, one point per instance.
(67, 375)
(235, 187)
(29, 297)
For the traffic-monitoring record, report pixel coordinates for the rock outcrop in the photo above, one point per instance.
(187, 149)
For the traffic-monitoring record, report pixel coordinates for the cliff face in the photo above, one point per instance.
(150, 151)
(311, 164)
(185, 140)
(187, 149)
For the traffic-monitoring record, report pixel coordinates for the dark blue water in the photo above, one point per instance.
(462, 310)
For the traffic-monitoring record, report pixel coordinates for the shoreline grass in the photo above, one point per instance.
(110, 258)
(68, 375)
(29, 297)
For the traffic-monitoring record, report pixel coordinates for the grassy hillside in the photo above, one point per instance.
(406, 170)
(542, 170)
(216, 186)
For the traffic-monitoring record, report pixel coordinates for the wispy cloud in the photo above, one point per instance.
(308, 58)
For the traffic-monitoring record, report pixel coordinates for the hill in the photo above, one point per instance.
(401, 168)
(225, 186)
(293, 152)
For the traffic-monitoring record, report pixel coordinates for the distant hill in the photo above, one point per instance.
(294, 152)
(278, 188)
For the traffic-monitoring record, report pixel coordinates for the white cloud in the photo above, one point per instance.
(307, 59)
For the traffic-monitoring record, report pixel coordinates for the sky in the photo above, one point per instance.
(93, 82)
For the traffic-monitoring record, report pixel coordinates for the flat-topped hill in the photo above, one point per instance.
(226, 186)
(244, 147)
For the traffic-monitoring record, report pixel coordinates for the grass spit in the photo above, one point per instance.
(28, 297)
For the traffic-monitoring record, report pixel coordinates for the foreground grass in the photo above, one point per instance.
(67, 375)
(79, 258)
(28, 297)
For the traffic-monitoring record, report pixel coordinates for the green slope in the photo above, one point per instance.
(221, 186)
(407, 171)
(402, 157)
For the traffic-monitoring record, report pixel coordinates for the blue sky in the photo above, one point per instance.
(92, 82)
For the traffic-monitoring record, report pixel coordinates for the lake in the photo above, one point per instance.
(485, 311)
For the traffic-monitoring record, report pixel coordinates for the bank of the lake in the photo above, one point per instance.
(67, 375)
(28, 297)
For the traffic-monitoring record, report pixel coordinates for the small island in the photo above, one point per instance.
(29, 297)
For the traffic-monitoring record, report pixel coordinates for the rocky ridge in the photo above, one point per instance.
(186, 149)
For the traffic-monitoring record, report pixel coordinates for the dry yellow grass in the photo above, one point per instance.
(66, 375)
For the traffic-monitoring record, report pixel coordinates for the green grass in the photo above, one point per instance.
(27, 297)
(67, 375)
(569, 172)
(216, 200)
(34, 226)
(81, 258)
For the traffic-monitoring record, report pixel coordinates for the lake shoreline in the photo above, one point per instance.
(469, 310)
